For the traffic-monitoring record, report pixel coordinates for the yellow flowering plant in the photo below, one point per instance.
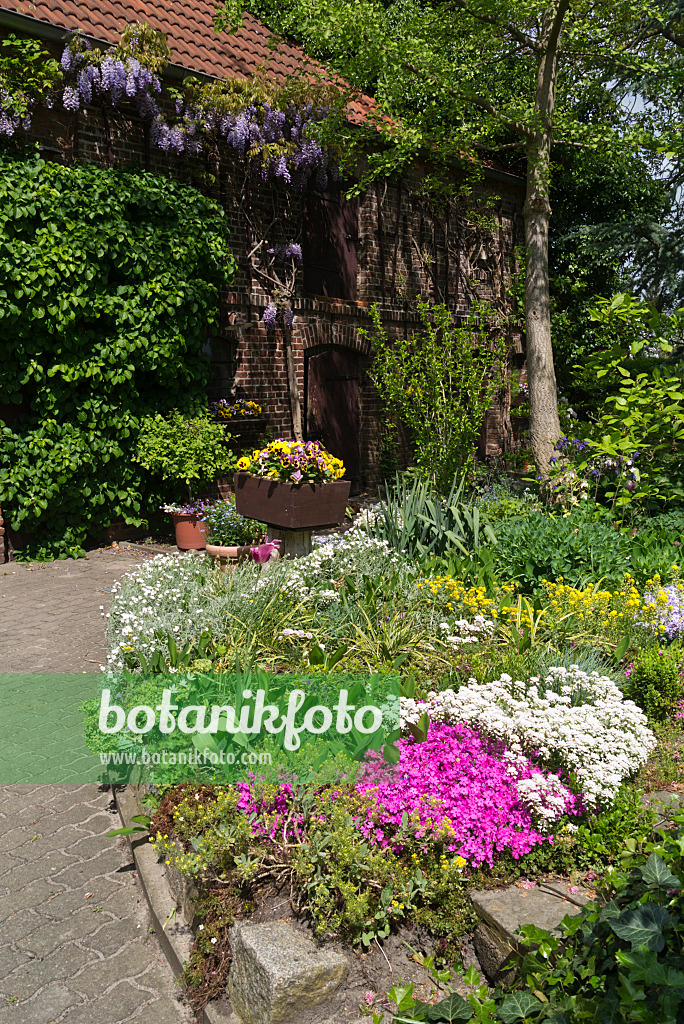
(241, 408)
(294, 461)
(609, 615)
(564, 613)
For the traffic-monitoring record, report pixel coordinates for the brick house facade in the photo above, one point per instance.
(385, 248)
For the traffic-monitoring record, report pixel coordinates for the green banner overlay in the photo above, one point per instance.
(172, 727)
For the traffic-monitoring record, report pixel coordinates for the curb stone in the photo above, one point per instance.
(169, 900)
(503, 911)
(169, 921)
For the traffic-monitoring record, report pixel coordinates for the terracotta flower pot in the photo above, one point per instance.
(291, 506)
(227, 555)
(191, 533)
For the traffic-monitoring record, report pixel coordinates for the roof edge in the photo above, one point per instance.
(505, 177)
(46, 30)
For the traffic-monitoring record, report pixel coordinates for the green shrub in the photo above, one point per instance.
(108, 280)
(656, 681)
(183, 450)
(418, 376)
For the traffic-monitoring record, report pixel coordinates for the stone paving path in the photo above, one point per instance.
(75, 942)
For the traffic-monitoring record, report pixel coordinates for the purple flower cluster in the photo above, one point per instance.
(10, 120)
(270, 314)
(190, 508)
(285, 253)
(672, 616)
(113, 78)
(571, 445)
(249, 132)
(459, 786)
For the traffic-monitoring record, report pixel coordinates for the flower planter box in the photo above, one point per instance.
(191, 533)
(291, 506)
(228, 555)
(243, 422)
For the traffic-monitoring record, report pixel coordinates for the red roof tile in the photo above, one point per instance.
(189, 29)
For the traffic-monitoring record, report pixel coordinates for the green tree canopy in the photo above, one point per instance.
(489, 77)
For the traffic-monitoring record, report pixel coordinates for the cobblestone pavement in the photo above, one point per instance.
(75, 936)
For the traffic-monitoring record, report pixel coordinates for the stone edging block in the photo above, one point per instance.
(166, 909)
(277, 973)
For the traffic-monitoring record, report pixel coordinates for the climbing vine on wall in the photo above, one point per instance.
(108, 280)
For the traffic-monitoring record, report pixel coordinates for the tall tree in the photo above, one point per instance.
(482, 77)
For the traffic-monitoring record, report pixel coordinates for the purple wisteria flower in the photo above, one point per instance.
(71, 99)
(112, 78)
(10, 119)
(287, 251)
(270, 314)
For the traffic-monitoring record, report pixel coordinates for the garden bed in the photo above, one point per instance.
(530, 713)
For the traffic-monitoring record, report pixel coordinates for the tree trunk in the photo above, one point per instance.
(544, 423)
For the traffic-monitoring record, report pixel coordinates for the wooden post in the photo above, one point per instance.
(295, 405)
(293, 543)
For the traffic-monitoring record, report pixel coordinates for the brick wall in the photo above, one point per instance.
(403, 250)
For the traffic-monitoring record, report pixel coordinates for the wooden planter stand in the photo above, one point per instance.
(291, 511)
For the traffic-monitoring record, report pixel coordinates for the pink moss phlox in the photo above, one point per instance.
(458, 782)
(270, 814)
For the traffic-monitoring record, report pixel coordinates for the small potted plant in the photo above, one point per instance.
(188, 451)
(293, 485)
(230, 536)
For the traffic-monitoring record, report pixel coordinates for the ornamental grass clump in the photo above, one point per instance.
(465, 790)
(573, 722)
(294, 461)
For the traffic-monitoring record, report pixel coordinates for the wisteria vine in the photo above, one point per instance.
(113, 77)
(267, 127)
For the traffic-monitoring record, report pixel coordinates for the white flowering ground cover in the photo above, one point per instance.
(573, 721)
(180, 597)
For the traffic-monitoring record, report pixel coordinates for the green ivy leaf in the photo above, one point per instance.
(643, 926)
(518, 1006)
(656, 872)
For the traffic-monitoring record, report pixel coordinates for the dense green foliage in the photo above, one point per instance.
(583, 546)
(596, 198)
(185, 450)
(108, 280)
(27, 74)
(656, 681)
